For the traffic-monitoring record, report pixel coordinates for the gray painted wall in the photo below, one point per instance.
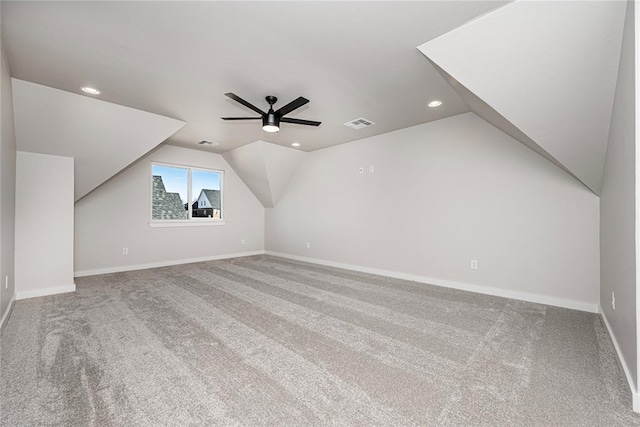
(441, 194)
(117, 215)
(7, 186)
(617, 208)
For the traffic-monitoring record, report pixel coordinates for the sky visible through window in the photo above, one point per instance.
(175, 180)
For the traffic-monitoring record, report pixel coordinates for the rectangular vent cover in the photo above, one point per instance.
(359, 123)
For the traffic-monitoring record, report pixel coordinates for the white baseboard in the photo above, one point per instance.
(506, 293)
(6, 314)
(46, 291)
(119, 269)
(623, 362)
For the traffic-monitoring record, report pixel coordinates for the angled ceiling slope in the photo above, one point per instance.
(102, 137)
(178, 58)
(543, 72)
(265, 168)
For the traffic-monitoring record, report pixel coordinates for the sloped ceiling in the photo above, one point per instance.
(351, 59)
(265, 168)
(543, 72)
(102, 137)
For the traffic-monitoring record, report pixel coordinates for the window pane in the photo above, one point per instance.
(206, 194)
(169, 192)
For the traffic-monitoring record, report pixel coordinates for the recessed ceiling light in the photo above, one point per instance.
(295, 144)
(90, 90)
(435, 103)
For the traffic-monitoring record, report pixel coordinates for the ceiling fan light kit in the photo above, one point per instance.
(271, 119)
(270, 122)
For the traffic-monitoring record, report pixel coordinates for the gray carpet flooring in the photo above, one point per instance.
(268, 341)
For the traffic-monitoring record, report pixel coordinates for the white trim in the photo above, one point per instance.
(118, 269)
(5, 316)
(46, 291)
(187, 223)
(636, 37)
(625, 367)
(506, 293)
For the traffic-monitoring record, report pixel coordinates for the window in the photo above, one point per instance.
(179, 193)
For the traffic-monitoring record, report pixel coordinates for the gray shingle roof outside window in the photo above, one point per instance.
(214, 198)
(166, 205)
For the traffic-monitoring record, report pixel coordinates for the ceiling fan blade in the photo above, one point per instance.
(241, 118)
(296, 103)
(245, 103)
(299, 121)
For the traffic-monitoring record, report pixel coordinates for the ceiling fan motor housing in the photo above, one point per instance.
(270, 119)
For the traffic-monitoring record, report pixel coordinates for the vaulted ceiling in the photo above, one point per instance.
(178, 59)
(103, 138)
(543, 72)
(265, 168)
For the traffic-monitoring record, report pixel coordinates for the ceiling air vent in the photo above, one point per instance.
(211, 143)
(359, 123)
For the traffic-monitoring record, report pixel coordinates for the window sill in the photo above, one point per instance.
(191, 223)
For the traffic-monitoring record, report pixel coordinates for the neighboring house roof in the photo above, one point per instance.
(166, 205)
(213, 196)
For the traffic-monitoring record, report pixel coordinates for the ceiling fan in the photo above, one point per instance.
(271, 119)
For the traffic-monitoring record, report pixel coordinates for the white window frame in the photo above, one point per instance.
(190, 221)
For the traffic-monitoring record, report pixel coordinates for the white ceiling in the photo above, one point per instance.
(103, 138)
(546, 73)
(265, 168)
(177, 59)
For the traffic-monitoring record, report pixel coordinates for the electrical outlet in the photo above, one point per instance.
(308, 245)
(242, 242)
(474, 264)
(125, 251)
(371, 169)
(6, 282)
(613, 300)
